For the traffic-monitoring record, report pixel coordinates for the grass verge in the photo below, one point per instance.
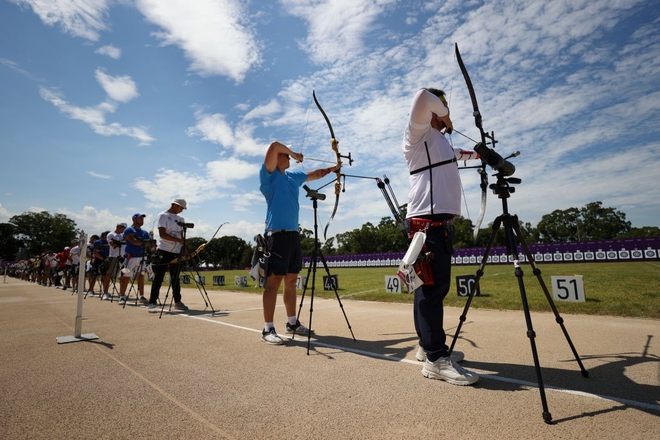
(611, 289)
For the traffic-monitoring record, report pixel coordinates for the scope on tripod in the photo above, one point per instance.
(186, 225)
(497, 162)
(314, 194)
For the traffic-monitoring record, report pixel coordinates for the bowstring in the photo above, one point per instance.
(309, 112)
(309, 105)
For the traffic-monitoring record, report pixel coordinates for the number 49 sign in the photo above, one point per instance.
(567, 288)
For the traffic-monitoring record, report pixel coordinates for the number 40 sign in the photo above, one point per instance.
(567, 288)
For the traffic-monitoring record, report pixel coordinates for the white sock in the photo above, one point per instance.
(292, 320)
(268, 326)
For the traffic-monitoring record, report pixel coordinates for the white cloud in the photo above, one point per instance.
(119, 88)
(337, 28)
(16, 68)
(213, 34)
(79, 18)
(95, 117)
(5, 215)
(220, 176)
(98, 175)
(215, 128)
(93, 221)
(109, 50)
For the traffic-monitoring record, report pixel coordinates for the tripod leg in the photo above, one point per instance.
(475, 286)
(536, 271)
(311, 300)
(302, 296)
(531, 334)
(202, 290)
(334, 287)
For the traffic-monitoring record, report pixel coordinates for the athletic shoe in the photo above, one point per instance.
(298, 329)
(456, 356)
(180, 306)
(106, 297)
(152, 308)
(447, 370)
(122, 300)
(144, 300)
(271, 337)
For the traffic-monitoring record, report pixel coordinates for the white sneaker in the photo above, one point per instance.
(298, 329)
(144, 300)
(456, 356)
(271, 337)
(152, 308)
(447, 370)
(106, 297)
(122, 300)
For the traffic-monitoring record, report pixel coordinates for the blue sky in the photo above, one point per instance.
(114, 107)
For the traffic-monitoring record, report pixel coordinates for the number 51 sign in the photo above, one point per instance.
(565, 288)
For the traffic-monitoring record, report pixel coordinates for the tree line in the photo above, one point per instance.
(32, 233)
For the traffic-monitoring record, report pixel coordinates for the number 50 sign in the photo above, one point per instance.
(565, 288)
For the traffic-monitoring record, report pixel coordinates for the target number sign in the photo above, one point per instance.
(568, 288)
(393, 284)
(465, 284)
(330, 282)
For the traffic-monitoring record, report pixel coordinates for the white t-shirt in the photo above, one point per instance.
(169, 221)
(75, 255)
(446, 185)
(119, 250)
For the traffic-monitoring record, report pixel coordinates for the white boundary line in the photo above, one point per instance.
(633, 403)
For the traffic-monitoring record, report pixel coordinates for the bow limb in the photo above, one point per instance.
(478, 122)
(335, 147)
(190, 256)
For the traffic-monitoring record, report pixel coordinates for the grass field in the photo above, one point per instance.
(613, 289)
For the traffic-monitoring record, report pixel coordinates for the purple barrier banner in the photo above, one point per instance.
(627, 249)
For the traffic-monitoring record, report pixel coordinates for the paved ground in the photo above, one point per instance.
(200, 375)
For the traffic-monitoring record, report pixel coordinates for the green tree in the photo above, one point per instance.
(227, 252)
(463, 228)
(559, 226)
(193, 244)
(9, 244)
(599, 223)
(643, 232)
(306, 241)
(42, 231)
(390, 236)
(246, 258)
(591, 222)
(358, 241)
(328, 247)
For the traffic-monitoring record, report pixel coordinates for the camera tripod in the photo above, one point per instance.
(176, 273)
(512, 231)
(316, 253)
(139, 272)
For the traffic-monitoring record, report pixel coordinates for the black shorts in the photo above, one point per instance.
(285, 253)
(99, 267)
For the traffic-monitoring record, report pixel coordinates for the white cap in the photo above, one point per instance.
(181, 202)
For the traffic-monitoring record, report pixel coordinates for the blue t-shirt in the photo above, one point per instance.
(131, 249)
(102, 247)
(281, 192)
